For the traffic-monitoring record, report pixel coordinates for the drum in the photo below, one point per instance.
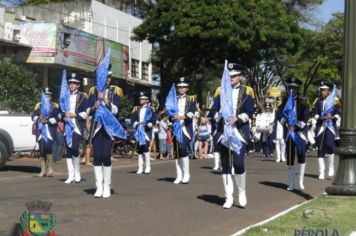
(264, 123)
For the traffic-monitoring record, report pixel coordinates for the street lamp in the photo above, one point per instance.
(345, 179)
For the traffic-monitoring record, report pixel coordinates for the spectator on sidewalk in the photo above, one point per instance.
(162, 136)
(203, 138)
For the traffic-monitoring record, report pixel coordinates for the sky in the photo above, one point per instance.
(328, 7)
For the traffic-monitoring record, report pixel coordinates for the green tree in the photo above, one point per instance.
(302, 9)
(17, 86)
(195, 36)
(320, 57)
(126, 105)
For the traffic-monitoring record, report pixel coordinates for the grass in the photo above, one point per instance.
(325, 215)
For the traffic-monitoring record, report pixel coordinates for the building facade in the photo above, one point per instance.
(75, 35)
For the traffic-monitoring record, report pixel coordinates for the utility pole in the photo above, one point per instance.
(345, 180)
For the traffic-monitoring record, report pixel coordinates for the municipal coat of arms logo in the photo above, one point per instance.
(38, 220)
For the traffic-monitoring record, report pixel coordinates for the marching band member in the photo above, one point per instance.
(101, 140)
(143, 117)
(264, 125)
(280, 136)
(326, 117)
(296, 143)
(46, 130)
(217, 129)
(184, 114)
(243, 108)
(77, 115)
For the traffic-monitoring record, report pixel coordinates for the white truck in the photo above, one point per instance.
(15, 135)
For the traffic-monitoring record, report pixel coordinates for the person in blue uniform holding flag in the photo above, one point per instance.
(103, 107)
(74, 116)
(143, 118)
(235, 105)
(326, 113)
(295, 117)
(181, 110)
(45, 117)
(101, 141)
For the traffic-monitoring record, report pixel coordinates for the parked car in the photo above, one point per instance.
(16, 135)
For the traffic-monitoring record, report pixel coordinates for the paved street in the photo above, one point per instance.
(151, 204)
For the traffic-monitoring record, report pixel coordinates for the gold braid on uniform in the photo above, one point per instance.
(249, 91)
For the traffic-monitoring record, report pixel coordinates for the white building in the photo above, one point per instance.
(90, 23)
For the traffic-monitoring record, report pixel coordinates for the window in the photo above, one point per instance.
(145, 70)
(134, 68)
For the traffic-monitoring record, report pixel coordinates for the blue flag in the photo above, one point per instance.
(140, 134)
(329, 108)
(45, 109)
(103, 116)
(230, 138)
(171, 106)
(64, 101)
(290, 113)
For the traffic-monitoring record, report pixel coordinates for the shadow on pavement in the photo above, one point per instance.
(132, 172)
(91, 191)
(206, 167)
(216, 172)
(312, 176)
(212, 199)
(166, 179)
(16, 230)
(28, 169)
(284, 187)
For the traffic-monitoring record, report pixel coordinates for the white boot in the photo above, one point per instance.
(278, 151)
(216, 161)
(179, 170)
(76, 165)
(186, 173)
(301, 176)
(241, 188)
(321, 165)
(229, 190)
(99, 178)
(140, 164)
(331, 158)
(147, 163)
(70, 167)
(291, 175)
(283, 150)
(107, 181)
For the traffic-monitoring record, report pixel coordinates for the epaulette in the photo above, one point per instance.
(135, 109)
(249, 91)
(217, 92)
(85, 95)
(315, 101)
(192, 98)
(117, 90)
(55, 105)
(337, 102)
(92, 90)
(37, 106)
